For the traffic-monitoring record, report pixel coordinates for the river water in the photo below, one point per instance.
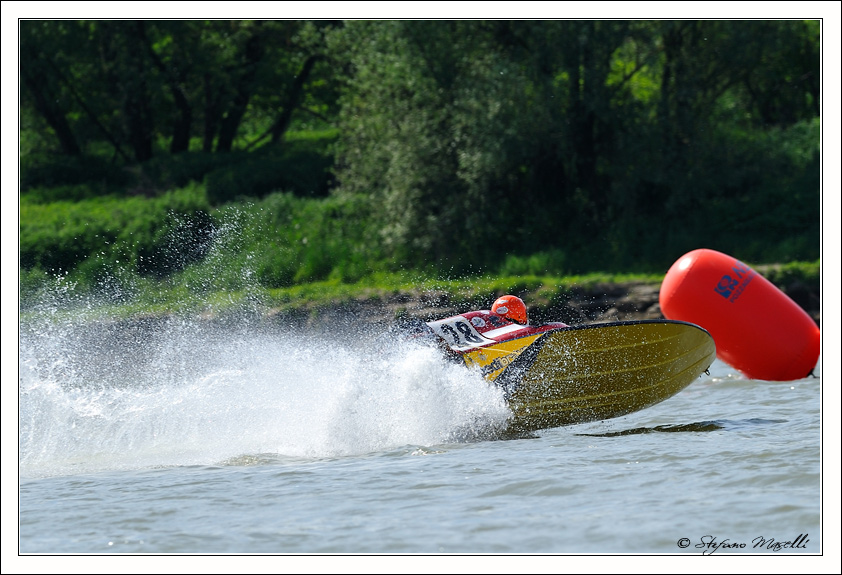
(185, 437)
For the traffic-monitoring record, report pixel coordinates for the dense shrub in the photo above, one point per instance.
(168, 171)
(303, 168)
(122, 232)
(58, 177)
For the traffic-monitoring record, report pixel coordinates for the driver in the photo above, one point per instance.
(462, 329)
(512, 308)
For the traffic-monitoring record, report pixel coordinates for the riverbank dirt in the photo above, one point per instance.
(598, 303)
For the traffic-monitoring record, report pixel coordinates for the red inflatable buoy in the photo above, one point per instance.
(756, 327)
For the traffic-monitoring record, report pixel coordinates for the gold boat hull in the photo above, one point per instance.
(595, 372)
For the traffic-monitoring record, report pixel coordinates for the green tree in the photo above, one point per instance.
(605, 140)
(134, 84)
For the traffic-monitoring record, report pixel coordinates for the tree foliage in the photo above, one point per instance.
(597, 145)
(135, 84)
(480, 139)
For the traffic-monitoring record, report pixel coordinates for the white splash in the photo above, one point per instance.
(162, 393)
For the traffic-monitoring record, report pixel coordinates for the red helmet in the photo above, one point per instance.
(511, 307)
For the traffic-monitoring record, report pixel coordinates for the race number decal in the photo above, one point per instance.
(458, 332)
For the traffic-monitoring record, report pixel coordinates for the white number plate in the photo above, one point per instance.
(458, 332)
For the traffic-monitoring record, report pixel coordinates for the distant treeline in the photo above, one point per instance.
(350, 148)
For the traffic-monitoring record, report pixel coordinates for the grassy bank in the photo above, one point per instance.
(133, 253)
(391, 296)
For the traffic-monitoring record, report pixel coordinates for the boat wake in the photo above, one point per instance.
(132, 395)
(696, 427)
